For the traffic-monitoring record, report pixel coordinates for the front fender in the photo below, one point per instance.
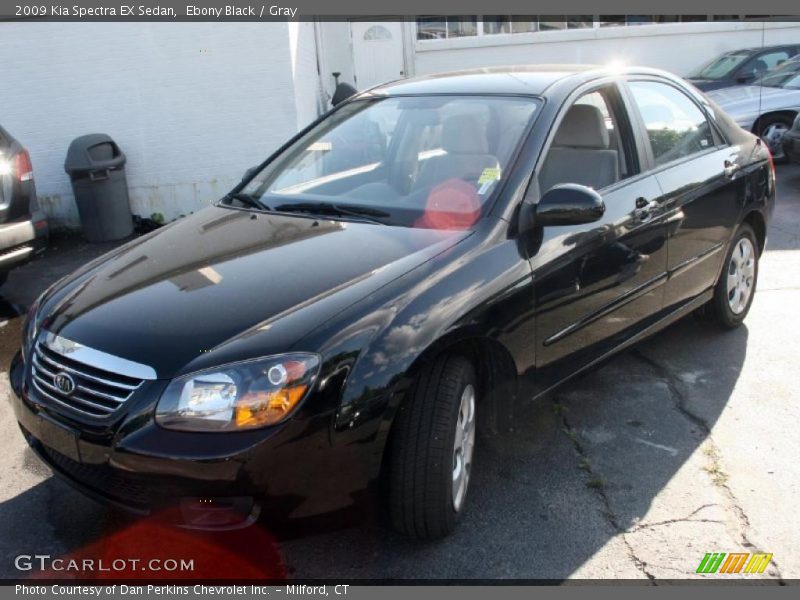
(479, 291)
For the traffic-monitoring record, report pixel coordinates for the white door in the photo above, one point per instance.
(377, 52)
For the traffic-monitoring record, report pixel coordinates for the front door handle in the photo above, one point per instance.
(644, 208)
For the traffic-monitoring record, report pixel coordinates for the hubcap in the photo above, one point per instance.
(773, 136)
(741, 275)
(463, 446)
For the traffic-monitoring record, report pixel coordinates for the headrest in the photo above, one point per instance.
(582, 127)
(464, 134)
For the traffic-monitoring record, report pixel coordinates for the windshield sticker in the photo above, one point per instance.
(489, 174)
(487, 178)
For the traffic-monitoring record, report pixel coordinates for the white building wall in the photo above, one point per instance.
(192, 105)
(307, 91)
(676, 47)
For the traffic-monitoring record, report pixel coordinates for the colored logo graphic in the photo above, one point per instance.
(735, 562)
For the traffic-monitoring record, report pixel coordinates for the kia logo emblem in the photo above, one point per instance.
(64, 383)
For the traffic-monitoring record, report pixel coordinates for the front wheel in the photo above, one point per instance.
(431, 449)
(736, 287)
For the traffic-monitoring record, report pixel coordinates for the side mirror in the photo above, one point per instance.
(569, 204)
(249, 172)
(745, 78)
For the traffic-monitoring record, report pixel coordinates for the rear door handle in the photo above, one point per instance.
(730, 168)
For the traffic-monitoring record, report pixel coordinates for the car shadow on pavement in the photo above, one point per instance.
(577, 470)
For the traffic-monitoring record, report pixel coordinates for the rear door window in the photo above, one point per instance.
(676, 126)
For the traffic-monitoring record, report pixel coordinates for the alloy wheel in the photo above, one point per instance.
(741, 275)
(463, 446)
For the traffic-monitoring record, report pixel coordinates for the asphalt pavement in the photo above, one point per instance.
(685, 445)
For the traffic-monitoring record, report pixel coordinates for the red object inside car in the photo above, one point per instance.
(453, 204)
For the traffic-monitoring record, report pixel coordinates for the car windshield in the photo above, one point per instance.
(418, 161)
(786, 76)
(720, 67)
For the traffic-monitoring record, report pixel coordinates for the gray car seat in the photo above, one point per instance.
(467, 153)
(580, 152)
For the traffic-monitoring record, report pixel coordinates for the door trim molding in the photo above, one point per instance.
(624, 299)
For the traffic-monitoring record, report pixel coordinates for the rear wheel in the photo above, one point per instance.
(736, 287)
(431, 450)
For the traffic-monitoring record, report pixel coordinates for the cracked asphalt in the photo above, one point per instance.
(684, 445)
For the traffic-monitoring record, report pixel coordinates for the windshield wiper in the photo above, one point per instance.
(248, 199)
(340, 210)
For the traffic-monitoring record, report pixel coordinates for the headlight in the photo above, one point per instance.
(244, 395)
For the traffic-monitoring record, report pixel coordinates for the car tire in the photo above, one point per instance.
(774, 125)
(736, 286)
(433, 435)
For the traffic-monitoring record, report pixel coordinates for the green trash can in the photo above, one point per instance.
(96, 168)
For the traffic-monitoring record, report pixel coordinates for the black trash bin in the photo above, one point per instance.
(96, 167)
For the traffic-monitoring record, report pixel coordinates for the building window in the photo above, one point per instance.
(552, 23)
(432, 28)
(580, 22)
(440, 28)
(524, 24)
(494, 24)
(377, 32)
(462, 26)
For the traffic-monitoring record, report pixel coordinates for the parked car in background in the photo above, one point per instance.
(23, 226)
(768, 107)
(791, 141)
(350, 314)
(741, 67)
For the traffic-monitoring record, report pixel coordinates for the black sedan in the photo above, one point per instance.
(407, 271)
(741, 67)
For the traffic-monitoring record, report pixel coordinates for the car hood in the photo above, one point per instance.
(220, 273)
(747, 99)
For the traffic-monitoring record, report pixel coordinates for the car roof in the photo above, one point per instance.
(755, 49)
(518, 79)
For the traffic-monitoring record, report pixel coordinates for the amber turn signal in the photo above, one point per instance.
(257, 409)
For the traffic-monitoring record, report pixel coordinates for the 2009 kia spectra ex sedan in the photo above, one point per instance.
(404, 272)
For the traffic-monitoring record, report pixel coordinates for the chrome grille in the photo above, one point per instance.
(95, 392)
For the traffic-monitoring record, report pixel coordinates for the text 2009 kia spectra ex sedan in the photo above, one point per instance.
(404, 272)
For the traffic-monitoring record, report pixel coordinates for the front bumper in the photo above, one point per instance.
(291, 470)
(791, 145)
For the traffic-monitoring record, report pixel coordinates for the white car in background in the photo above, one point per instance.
(768, 107)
